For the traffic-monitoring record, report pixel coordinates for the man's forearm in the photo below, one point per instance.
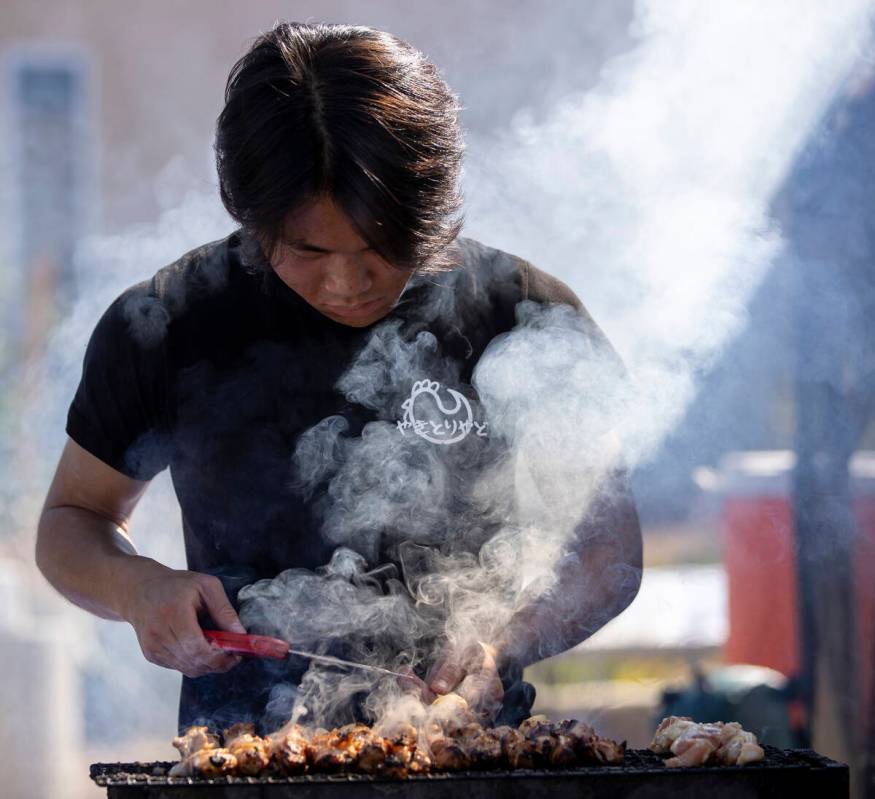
(597, 578)
(89, 559)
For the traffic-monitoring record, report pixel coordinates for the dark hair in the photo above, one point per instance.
(347, 112)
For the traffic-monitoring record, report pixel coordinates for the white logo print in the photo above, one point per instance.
(426, 414)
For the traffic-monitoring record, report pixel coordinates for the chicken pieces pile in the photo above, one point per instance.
(450, 739)
(697, 744)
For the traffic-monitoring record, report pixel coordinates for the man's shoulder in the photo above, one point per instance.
(203, 273)
(198, 284)
(492, 268)
(505, 280)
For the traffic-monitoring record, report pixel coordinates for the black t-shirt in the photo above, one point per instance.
(215, 370)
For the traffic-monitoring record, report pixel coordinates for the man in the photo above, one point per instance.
(338, 152)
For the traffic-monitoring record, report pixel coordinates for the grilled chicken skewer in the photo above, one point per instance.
(201, 755)
(449, 739)
(694, 744)
(251, 751)
(194, 739)
(289, 750)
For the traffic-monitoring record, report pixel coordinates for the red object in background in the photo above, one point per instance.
(865, 576)
(761, 576)
(759, 554)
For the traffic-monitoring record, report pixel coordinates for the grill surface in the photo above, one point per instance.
(642, 776)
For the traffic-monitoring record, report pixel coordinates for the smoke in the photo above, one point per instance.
(649, 194)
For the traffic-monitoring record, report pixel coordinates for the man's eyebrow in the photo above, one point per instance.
(300, 244)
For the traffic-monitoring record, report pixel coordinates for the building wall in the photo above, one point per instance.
(159, 68)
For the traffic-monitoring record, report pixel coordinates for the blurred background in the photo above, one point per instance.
(701, 177)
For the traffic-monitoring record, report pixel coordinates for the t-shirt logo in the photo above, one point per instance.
(428, 417)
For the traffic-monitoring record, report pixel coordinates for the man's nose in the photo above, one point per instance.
(347, 277)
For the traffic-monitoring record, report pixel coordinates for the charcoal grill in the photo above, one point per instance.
(781, 774)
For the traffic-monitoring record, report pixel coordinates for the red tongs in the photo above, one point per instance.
(277, 649)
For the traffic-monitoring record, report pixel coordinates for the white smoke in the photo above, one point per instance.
(648, 195)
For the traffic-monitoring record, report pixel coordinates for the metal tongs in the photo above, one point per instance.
(277, 649)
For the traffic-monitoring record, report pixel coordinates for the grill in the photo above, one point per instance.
(642, 776)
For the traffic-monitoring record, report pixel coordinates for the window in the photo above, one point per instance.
(49, 170)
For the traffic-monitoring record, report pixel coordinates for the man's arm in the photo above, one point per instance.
(84, 550)
(596, 579)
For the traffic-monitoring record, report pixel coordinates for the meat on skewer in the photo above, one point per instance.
(194, 739)
(448, 754)
(605, 751)
(290, 754)
(209, 762)
(695, 744)
(330, 760)
(449, 739)
(739, 747)
(394, 767)
(252, 753)
(371, 757)
(420, 762)
(563, 754)
(517, 750)
(484, 748)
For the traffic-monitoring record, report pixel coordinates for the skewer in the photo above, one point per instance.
(277, 649)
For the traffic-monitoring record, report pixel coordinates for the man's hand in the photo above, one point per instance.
(471, 673)
(84, 550)
(164, 605)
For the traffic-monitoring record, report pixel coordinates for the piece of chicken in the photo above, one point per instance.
(694, 744)
(448, 754)
(252, 753)
(589, 748)
(205, 763)
(541, 747)
(750, 752)
(289, 749)
(564, 754)
(607, 752)
(668, 731)
(394, 767)
(371, 757)
(518, 752)
(739, 747)
(401, 749)
(420, 761)
(350, 737)
(400, 733)
(290, 753)
(194, 739)
(484, 749)
(331, 761)
(319, 737)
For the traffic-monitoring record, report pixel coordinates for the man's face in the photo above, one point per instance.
(323, 259)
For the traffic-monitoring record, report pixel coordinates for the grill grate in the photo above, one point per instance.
(642, 775)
